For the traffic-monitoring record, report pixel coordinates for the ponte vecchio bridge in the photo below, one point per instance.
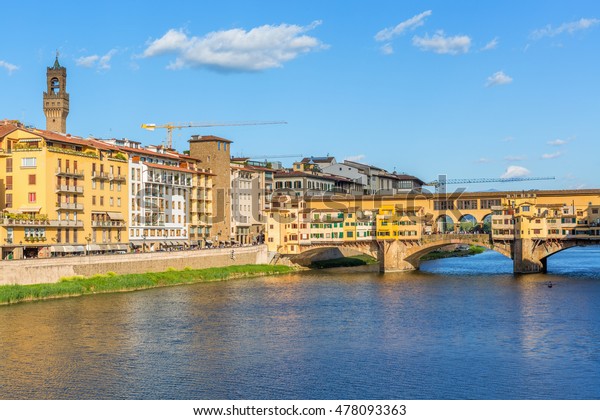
(527, 226)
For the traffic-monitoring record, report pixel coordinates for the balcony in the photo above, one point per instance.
(69, 189)
(69, 172)
(117, 178)
(69, 206)
(100, 175)
(109, 223)
(66, 223)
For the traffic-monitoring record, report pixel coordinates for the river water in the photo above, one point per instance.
(461, 328)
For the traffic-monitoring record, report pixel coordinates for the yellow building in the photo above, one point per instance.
(60, 194)
(394, 222)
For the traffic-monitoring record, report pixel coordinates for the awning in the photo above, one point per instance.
(121, 247)
(131, 244)
(69, 248)
(29, 210)
(94, 247)
(57, 248)
(79, 248)
(208, 241)
(30, 140)
(115, 216)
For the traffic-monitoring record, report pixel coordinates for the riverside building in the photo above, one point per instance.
(60, 194)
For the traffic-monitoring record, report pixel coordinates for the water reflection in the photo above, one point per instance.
(447, 331)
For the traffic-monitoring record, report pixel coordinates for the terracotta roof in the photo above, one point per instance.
(102, 145)
(51, 135)
(6, 129)
(170, 168)
(134, 150)
(317, 159)
(208, 138)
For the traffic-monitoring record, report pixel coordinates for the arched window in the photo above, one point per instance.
(55, 86)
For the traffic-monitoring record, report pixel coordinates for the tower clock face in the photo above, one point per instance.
(55, 86)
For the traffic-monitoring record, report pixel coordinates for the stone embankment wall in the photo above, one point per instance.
(52, 269)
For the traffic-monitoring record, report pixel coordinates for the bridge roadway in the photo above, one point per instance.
(528, 255)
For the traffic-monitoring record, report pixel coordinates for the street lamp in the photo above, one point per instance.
(88, 239)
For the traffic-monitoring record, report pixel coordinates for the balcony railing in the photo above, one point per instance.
(69, 188)
(109, 223)
(41, 223)
(117, 178)
(66, 223)
(69, 172)
(100, 175)
(69, 206)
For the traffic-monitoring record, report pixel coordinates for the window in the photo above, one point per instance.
(9, 165)
(28, 162)
(32, 179)
(9, 182)
(31, 197)
(58, 235)
(9, 200)
(93, 200)
(101, 200)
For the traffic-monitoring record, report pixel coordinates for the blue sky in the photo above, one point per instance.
(463, 88)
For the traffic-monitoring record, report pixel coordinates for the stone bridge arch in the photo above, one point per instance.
(401, 256)
(326, 251)
(532, 255)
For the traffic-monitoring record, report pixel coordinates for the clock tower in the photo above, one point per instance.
(56, 98)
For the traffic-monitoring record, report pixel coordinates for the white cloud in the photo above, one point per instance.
(514, 158)
(387, 49)
(441, 44)
(483, 160)
(551, 155)
(557, 142)
(103, 62)
(569, 27)
(356, 158)
(498, 78)
(515, 172)
(8, 66)
(87, 61)
(260, 48)
(409, 24)
(491, 45)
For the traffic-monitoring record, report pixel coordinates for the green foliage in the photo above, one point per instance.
(439, 254)
(111, 282)
(353, 261)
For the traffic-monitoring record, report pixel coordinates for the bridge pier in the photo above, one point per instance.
(528, 258)
(392, 257)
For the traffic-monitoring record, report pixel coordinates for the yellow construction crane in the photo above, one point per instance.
(171, 126)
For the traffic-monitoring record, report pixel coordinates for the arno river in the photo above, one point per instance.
(460, 328)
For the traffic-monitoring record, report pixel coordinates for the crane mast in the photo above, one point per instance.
(442, 181)
(171, 126)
